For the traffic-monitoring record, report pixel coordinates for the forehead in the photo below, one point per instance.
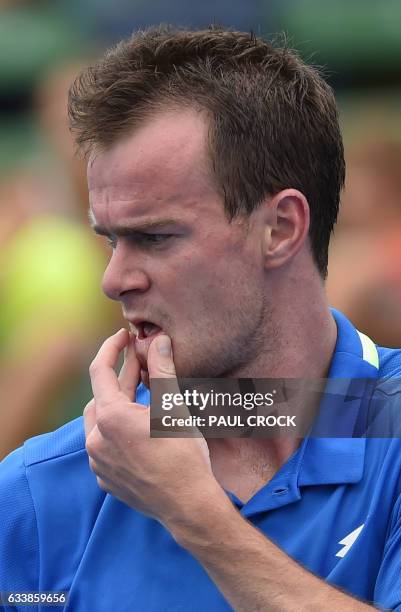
(162, 163)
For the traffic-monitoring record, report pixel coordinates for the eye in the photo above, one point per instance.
(142, 238)
(153, 238)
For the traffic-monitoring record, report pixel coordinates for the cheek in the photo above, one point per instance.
(215, 295)
(205, 285)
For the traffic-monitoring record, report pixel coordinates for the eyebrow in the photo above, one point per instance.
(129, 230)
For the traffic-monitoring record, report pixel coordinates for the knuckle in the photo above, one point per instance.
(102, 484)
(89, 408)
(104, 420)
(92, 464)
(108, 414)
(93, 366)
(90, 450)
(164, 371)
(92, 445)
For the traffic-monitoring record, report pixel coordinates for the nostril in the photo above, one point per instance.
(110, 287)
(123, 277)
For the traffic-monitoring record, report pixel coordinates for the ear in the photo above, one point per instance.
(286, 227)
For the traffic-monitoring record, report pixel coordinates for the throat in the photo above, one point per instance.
(244, 485)
(244, 466)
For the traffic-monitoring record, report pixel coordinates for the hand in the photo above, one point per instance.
(162, 477)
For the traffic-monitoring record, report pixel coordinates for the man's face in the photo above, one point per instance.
(183, 267)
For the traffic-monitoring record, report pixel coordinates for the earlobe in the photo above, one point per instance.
(287, 227)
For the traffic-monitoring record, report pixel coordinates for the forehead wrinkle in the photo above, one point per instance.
(132, 228)
(179, 212)
(138, 186)
(134, 189)
(134, 204)
(162, 165)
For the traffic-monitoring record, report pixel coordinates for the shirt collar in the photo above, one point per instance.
(341, 460)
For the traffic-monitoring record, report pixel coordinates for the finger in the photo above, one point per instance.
(105, 384)
(130, 371)
(160, 358)
(161, 368)
(89, 417)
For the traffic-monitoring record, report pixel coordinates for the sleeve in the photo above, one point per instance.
(388, 585)
(19, 554)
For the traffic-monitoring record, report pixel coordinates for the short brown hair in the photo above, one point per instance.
(273, 118)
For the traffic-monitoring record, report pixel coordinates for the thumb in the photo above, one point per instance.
(163, 380)
(160, 358)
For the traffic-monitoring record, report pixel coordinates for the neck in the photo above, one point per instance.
(299, 333)
(299, 343)
(243, 465)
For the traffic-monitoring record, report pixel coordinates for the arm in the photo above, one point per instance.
(171, 479)
(251, 571)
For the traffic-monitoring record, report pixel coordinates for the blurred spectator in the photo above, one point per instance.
(365, 257)
(53, 315)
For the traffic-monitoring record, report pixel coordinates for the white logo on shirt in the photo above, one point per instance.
(349, 540)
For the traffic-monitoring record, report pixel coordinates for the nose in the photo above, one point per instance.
(123, 274)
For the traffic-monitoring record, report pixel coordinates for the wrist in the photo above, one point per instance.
(202, 517)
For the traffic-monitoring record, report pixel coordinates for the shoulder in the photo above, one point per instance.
(53, 467)
(390, 362)
(68, 439)
(18, 526)
(49, 453)
(383, 443)
(56, 467)
(49, 505)
(42, 467)
(46, 488)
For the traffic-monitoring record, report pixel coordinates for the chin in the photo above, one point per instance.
(193, 370)
(184, 369)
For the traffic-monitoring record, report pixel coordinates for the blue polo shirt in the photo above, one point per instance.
(334, 506)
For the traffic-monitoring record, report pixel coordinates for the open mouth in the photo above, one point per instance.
(146, 329)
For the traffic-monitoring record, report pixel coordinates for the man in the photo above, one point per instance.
(215, 165)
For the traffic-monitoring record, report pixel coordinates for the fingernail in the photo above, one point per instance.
(163, 345)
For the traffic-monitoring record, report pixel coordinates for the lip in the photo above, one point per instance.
(134, 322)
(142, 346)
(144, 343)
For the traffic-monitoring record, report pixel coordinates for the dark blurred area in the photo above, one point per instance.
(53, 315)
